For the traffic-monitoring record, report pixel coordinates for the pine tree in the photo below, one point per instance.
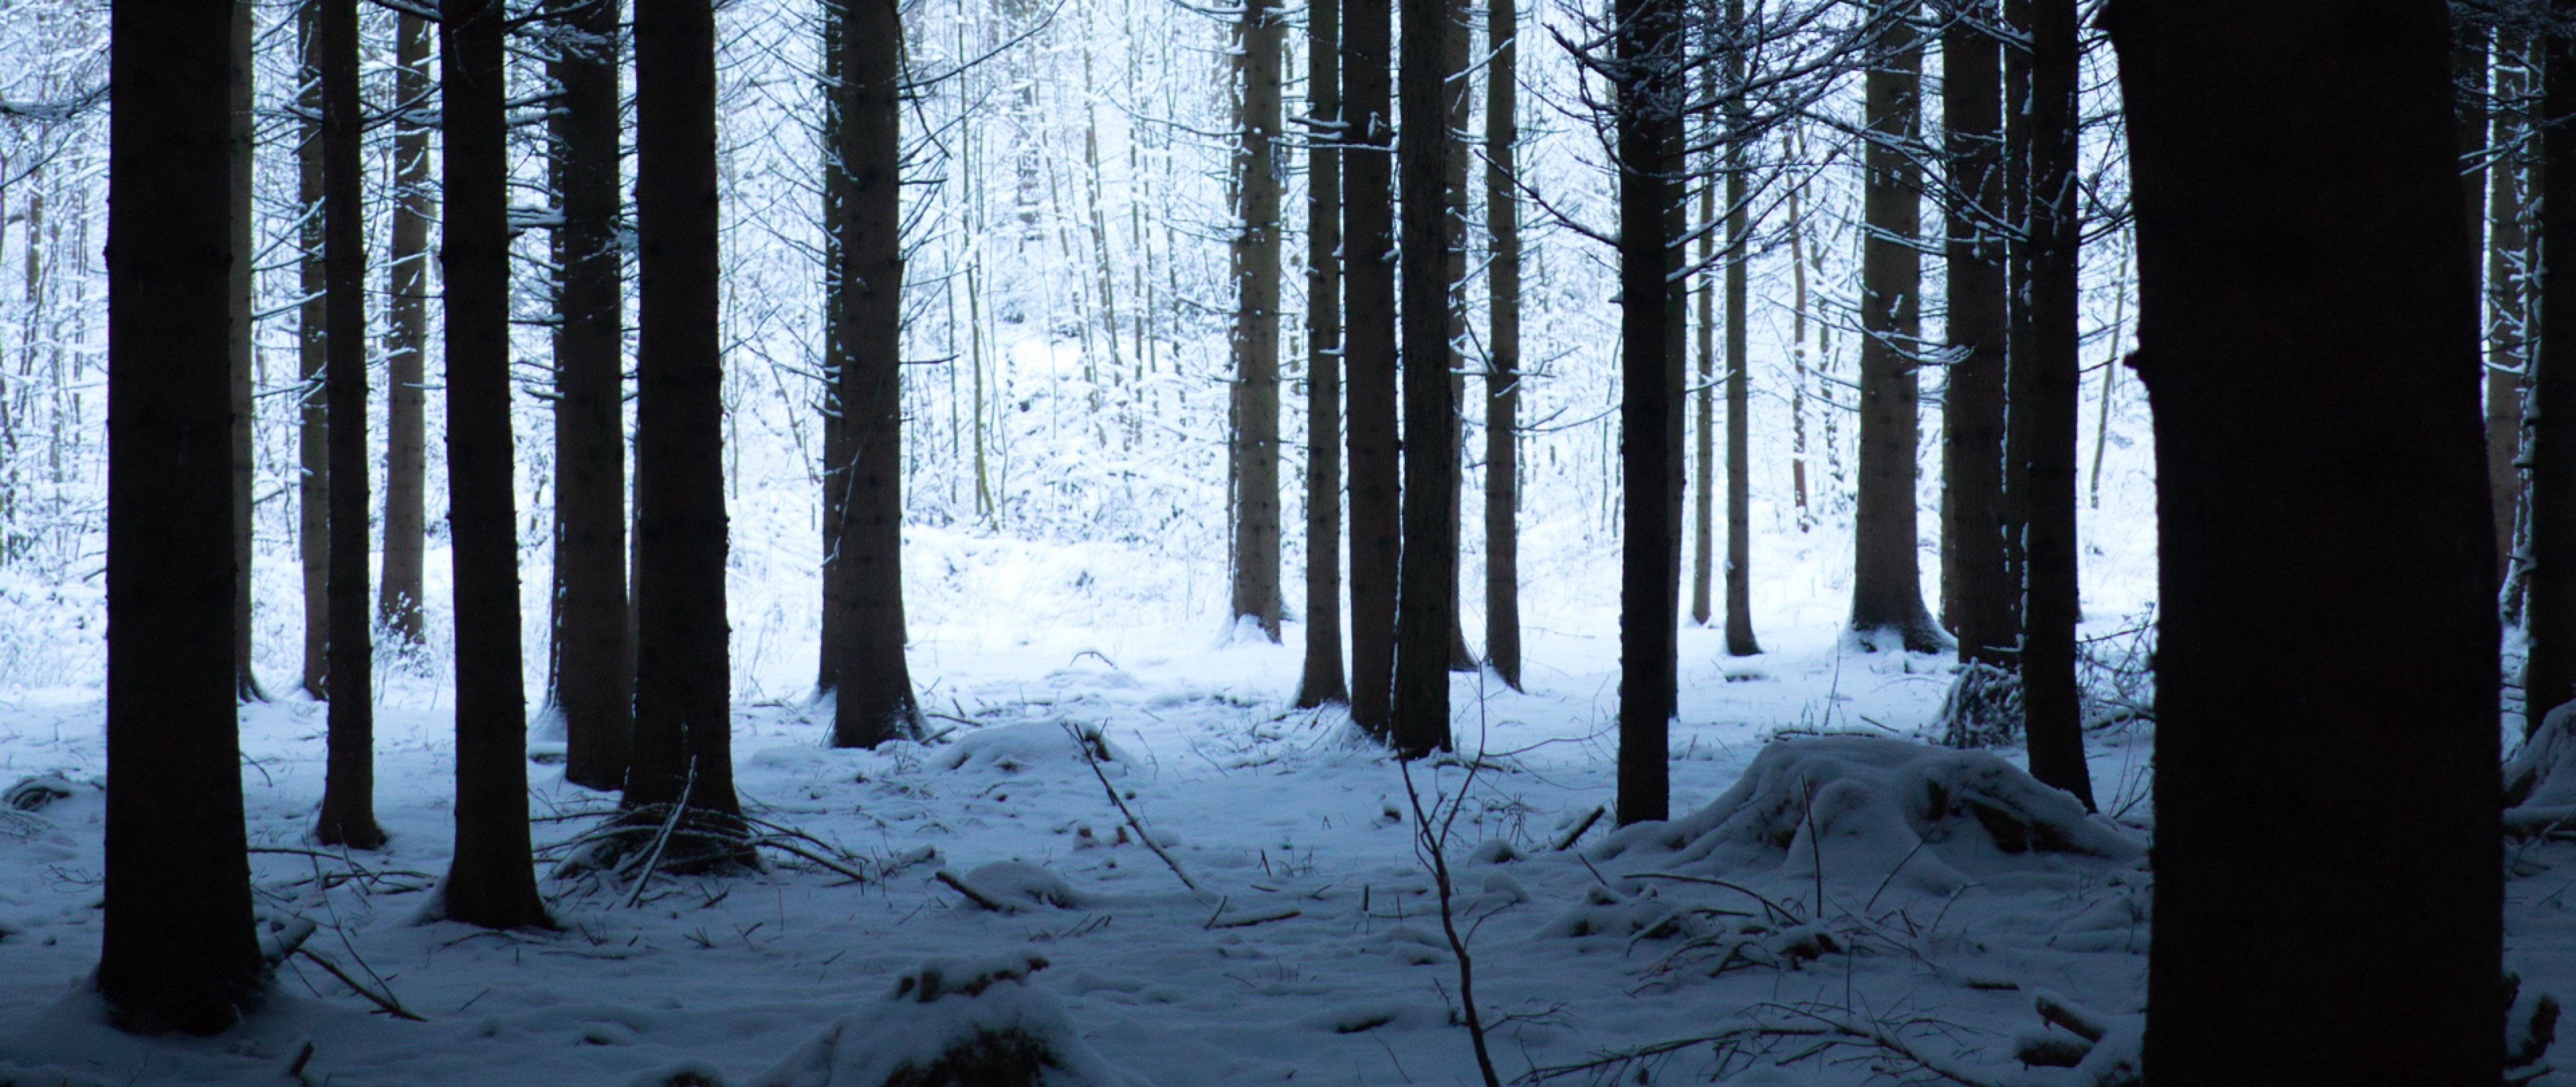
(1503, 345)
(1887, 585)
(1427, 578)
(398, 599)
(1978, 593)
(1260, 37)
(1368, 356)
(348, 793)
(1323, 682)
(312, 430)
(1647, 61)
(243, 343)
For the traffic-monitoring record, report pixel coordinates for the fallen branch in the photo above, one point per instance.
(1092, 760)
(1566, 840)
(972, 895)
(384, 1000)
(653, 858)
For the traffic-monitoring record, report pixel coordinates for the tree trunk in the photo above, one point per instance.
(1739, 394)
(1427, 597)
(1368, 243)
(2508, 295)
(1649, 119)
(312, 433)
(1323, 680)
(491, 882)
(595, 664)
(407, 337)
(1503, 345)
(2316, 430)
(1459, 95)
(1703, 395)
(177, 949)
(1976, 586)
(1887, 584)
(2549, 621)
(243, 340)
(2052, 708)
(876, 701)
(348, 791)
(1261, 36)
(836, 432)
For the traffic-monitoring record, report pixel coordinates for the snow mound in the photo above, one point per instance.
(952, 1023)
(1016, 886)
(1870, 809)
(1014, 748)
(2540, 778)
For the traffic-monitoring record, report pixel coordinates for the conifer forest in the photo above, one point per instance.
(1175, 543)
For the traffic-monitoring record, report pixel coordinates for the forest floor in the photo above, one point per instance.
(1313, 949)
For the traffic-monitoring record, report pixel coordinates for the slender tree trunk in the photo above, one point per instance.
(1323, 680)
(1649, 118)
(1703, 396)
(1459, 95)
(2052, 708)
(312, 434)
(876, 700)
(407, 337)
(1887, 584)
(1978, 592)
(836, 352)
(177, 950)
(348, 792)
(1739, 392)
(595, 663)
(2549, 620)
(1261, 36)
(1503, 344)
(1797, 347)
(2508, 297)
(491, 882)
(245, 136)
(1368, 244)
(1427, 597)
(2348, 355)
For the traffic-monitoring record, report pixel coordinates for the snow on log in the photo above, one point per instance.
(952, 1022)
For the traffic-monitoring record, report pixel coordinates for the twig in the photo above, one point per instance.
(653, 859)
(1259, 917)
(1566, 840)
(854, 874)
(1092, 760)
(972, 895)
(384, 1000)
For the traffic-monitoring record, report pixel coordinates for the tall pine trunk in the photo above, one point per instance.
(836, 432)
(242, 342)
(1368, 244)
(1427, 596)
(595, 663)
(1323, 682)
(177, 949)
(348, 791)
(1503, 344)
(1976, 586)
(407, 338)
(1261, 35)
(312, 433)
(2508, 294)
(2316, 430)
(491, 881)
(1887, 582)
(876, 701)
(1739, 391)
(1648, 44)
(2051, 705)
(2549, 620)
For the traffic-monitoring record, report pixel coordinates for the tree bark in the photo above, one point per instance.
(595, 663)
(312, 431)
(177, 949)
(1739, 395)
(407, 338)
(2549, 620)
(1887, 583)
(1648, 45)
(243, 341)
(2316, 429)
(348, 792)
(2053, 712)
(1427, 598)
(876, 701)
(836, 433)
(1368, 244)
(491, 881)
(1323, 680)
(1261, 35)
(1976, 585)
(1503, 344)
(2508, 294)
(1703, 394)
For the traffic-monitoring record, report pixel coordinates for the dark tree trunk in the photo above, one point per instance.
(244, 136)
(876, 698)
(594, 663)
(2549, 619)
(1887, 583)
(1648, 47)
(2508, 295)
(1702, 403)
(1258, 165)
(836, 431)
(2052, 709)
(1368, 219)
(1978, 589)
(1739, 393)
(1503, 345)
(312, 433)
(491, 882)
(683, 730)
(2316, 428)
(407, 337)
(1427, 598)
(177, 950)
(349, 783)
(1323, 680)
